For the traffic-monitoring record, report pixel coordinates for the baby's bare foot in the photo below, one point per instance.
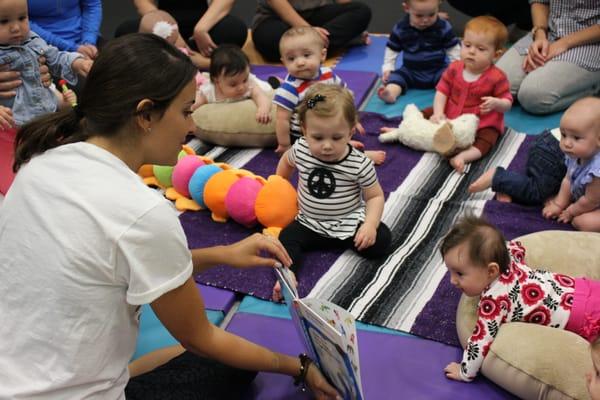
(386, 95)
(503, 198)
(483, 182)
(377, 156)
(458, 164)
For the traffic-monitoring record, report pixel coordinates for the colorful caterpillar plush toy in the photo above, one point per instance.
(196, 183)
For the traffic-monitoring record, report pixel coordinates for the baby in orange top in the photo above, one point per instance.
(474, 85)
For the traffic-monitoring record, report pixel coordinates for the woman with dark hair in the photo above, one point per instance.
(202, 24)
(84, 243)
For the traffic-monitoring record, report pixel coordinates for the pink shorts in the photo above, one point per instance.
(585, 312)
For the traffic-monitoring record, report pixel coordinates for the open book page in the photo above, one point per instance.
(337, 356)
(329, 334)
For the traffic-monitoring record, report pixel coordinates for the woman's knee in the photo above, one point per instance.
(538, 98)
(231, 30)
(363, 14)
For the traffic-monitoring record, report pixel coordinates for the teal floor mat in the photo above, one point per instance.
(153, 335)
(516, 118)
(253, 305)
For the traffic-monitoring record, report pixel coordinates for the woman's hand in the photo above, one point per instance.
(82, 66)
(204, 42)
(6, 118)
(257, 250)
(318, 385)
(88, 50)
(324, 33)
(536, 54)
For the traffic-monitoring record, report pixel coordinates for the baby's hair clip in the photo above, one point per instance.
(312, 102)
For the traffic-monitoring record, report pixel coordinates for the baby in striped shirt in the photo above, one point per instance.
(340, 199)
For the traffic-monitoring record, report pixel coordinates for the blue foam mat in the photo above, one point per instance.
(253, 305)
(153, 335)
(516, 118)
(365, 58)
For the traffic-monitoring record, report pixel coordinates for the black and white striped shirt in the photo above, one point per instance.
(567, 17)
(329, 194)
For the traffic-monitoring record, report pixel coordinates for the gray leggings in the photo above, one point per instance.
(550, 88)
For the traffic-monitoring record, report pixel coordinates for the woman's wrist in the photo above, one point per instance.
(300, 378)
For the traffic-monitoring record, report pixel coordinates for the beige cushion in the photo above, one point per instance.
(234, 125)
(534, 361)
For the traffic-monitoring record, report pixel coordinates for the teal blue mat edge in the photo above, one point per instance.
(253, 305)
(516, 118)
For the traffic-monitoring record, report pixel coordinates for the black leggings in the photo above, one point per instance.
(190, 377)
(298, 239)
(343, 21)
(230, 29)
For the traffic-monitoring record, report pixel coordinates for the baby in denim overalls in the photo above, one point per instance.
(20, 49)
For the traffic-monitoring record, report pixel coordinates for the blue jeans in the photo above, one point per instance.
(544, 172)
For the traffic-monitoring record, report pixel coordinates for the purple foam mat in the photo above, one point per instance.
(392, 367)
(360, 82)
(215, 298)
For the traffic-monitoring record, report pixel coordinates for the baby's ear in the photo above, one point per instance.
(493, 269)
(323, 54)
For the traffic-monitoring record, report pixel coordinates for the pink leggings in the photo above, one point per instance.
(585, 312)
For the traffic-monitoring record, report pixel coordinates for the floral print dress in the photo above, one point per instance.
(520, 295)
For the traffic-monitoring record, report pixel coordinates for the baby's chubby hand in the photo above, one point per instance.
(452, 371)
(489, 104)
(365, 237)
(263, 115)
(437, 118)
(282, 148)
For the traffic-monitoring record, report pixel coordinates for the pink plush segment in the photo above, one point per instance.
(183, 172)
(240, 200)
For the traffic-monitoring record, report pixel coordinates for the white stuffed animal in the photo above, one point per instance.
(421, 134)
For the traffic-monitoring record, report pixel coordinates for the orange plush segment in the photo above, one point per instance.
(276, 204)
(216, 190)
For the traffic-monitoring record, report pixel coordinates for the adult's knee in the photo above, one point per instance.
(363, 15)
(537, 99)
(267, 44)
(231, 30)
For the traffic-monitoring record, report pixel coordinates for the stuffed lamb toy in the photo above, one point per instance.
(421, 134)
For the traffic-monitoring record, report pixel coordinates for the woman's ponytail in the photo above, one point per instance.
(46, 132)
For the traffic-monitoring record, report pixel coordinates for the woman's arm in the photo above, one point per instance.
(145, 6)
(585, 36)
(538, 50)
(242, 254)
(287, 13)
(91, 18)
(216, 11)
(182, 312)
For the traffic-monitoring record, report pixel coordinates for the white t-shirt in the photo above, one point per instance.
(83, 243)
